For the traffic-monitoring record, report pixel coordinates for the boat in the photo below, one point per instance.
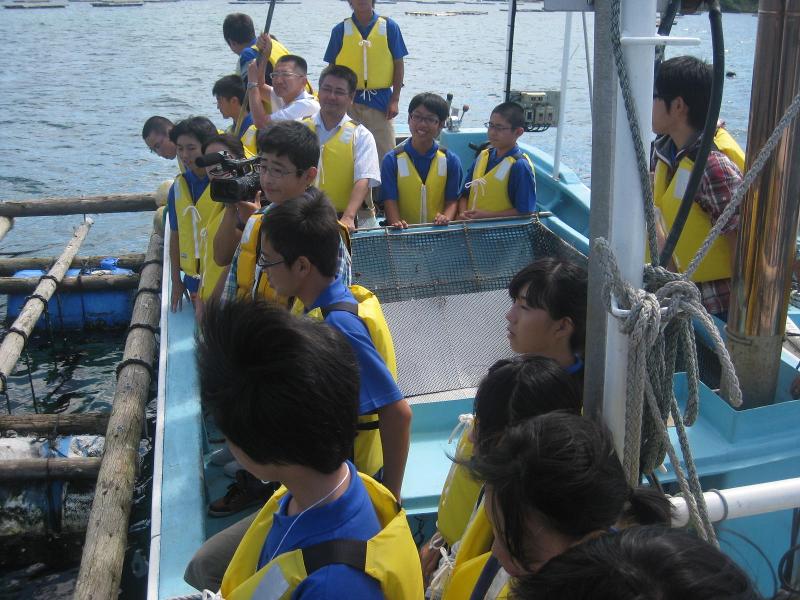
(116, 4)
(439, 367)
(35, 4)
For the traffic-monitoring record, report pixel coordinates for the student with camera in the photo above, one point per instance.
(289, 154)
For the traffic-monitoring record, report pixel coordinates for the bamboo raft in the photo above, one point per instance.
(115, 472)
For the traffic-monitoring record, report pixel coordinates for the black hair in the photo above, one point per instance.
(228, 87)
(433, 102)
(158, 124)
(198, 127)
(564, 469)
(291, 139)
(690, 78)
(511, 112)
(519, 388)
(239, 28)
(299, 61)
(230, 141)
(341, 72)
(652, 563)
(305, 226)
(558, 287)
(284, 389)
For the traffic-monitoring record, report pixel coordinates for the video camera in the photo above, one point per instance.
(238, 178)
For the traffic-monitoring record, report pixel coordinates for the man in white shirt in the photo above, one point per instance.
(287, 98)
(348, 164)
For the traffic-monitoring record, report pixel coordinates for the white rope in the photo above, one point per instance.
(481, 183)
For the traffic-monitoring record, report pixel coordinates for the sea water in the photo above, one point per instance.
(76, 85)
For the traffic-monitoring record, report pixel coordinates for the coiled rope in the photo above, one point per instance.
(660, 320)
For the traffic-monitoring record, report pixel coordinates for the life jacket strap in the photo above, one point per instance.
(352, 553)
(350, 307)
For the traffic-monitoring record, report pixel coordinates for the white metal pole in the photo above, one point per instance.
(743, 501)
(626, 213)
(588, 59)
(562, 103)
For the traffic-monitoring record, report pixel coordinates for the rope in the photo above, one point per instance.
(636, 133)
(154, 329)
(747, 181)
(146, 290)
(661, 318)
(152, 261)
(135, 361)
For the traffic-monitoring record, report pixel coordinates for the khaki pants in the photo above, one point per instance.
(208, 565)
(381, 128)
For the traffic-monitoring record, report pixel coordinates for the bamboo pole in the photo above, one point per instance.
(19, 331)
(5, 226)
(23, 285)
(93, 423)
(106, 534)
(28, 469)
(43, 207)
(9, 266)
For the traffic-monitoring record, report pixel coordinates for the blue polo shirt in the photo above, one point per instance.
(521, 180)
(377, 99)
(250, 54)
(351, 516)
(378, 388)
(422, 163)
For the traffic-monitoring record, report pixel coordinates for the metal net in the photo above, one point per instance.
(444, 295)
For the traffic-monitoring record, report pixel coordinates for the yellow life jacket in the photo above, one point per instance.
(463, 581)
(336, 171)
(418, 202)
(477, 538)
(367, 450)
(489, 191)
(459, 494)
(370, 59)
(250, 247)
(192, 219)
(390, 556)
(668, 194)
(249, 141)
(211, 271)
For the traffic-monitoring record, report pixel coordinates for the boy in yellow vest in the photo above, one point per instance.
(289, 154)
(420, 181)
(372, 46)
(299, 245)
(229, 93)
(501, 182)
(189, 206)
(680, 104)
(348, 165)
(284, 391)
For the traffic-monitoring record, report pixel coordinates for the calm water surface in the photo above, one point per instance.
(76, 85)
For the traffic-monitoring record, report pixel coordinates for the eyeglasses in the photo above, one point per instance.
(339, 93)
(276, 172)
(262, 262)
(490, 125)
(282, 74)
(423, 119)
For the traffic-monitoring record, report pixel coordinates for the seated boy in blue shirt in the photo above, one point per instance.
(284, 391)
(500, 183)
(299, 247)
(420, 180)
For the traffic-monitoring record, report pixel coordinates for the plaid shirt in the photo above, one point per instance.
(343, 269)
(720, 179)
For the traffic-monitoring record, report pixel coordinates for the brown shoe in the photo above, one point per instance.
(243, 493)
